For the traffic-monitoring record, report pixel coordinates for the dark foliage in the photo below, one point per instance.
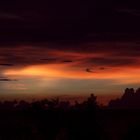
(49, 119)
(129, 100)
(59, 120)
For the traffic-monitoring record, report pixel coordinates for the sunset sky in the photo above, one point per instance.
(74, 48)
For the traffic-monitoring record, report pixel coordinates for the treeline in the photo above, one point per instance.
(129, 100)
(49, 120)
(59, 120)
(52, 104)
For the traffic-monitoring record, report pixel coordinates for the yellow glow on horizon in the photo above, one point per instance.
(29, 71)
(125, 75)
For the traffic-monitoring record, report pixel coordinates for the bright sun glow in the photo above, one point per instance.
(61, 71)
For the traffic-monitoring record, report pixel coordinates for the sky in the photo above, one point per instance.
(69, 48)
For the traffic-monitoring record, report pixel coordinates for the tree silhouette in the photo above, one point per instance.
(129, 100)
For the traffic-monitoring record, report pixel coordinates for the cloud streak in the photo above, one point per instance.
(7, 80)
(118, 62)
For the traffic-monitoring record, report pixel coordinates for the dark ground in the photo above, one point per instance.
(70, 125)
(58, 120)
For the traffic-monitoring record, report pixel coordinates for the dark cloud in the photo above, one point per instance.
(133, 12)
(115, 47)
(71, 21)
(67, 61)
(102, 68)
(102, 54)
(89, 70)
(6, 64)
(112, 62)
(7, 80)
(9, 16)
(49, 59)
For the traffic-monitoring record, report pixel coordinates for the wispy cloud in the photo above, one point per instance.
(7, 80)
(10, 16)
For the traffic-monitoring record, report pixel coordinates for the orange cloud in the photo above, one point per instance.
(122, 75)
